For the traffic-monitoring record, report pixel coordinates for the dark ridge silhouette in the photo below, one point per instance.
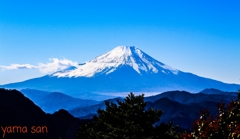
(187, 98)
(216, 91)
(17, 110)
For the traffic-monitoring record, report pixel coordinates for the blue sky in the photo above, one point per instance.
(201, 37)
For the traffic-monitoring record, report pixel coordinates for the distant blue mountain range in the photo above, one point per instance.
(51, 102)
(179, 106)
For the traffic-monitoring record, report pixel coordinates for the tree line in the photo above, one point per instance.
(129, 119)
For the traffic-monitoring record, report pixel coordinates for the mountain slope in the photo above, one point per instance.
(51, 102)
(123, 69)
(122, 55)
(216, 91)
(188, 98)
(181, 114)
(17, 110)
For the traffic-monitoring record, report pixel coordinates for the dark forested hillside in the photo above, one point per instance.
(21, 118)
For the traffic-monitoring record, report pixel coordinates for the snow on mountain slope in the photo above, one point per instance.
(120, 56)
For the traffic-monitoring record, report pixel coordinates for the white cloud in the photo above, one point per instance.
(54, 65)
(18, 66)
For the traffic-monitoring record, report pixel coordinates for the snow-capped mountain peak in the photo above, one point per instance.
(119, 56)
(122, 70)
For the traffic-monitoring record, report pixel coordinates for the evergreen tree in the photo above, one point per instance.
(127, 120)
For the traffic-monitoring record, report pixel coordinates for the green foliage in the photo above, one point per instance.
(127, 120)
(225, 125)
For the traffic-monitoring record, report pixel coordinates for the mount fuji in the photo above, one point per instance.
(128, 56)
(120, 71)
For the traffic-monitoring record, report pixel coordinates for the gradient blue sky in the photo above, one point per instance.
(200, 36)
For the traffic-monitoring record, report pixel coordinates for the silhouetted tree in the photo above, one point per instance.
(127, 120)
